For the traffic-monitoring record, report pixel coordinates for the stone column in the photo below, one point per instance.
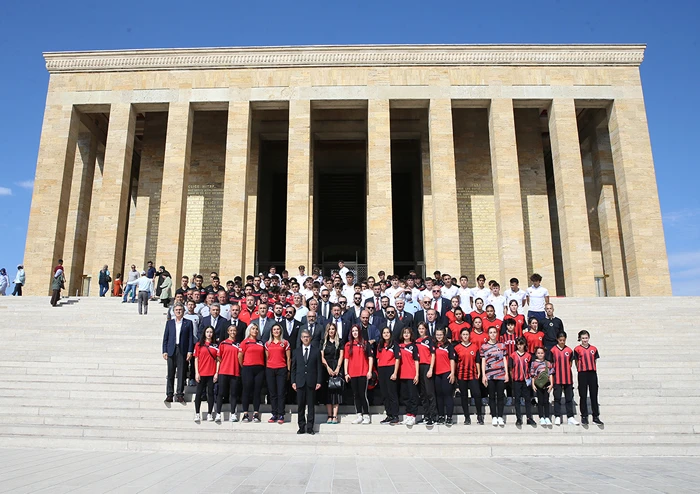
(640, 213)
(114, 193)
(252, 205)
(444, 188)
(510, 229)
(428, 227)
(173, 201)
(577, 257)
(380, 237)
(298, 238)
(79, 210)
(234, 217)
(613, 263)
(52, 185)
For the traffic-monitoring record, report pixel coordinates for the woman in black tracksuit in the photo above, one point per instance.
(388, 357)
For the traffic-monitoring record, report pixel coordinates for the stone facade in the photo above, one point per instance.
(159, 155)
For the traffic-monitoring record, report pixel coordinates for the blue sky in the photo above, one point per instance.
(669, 73)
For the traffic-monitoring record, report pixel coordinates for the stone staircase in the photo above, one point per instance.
(89, 375)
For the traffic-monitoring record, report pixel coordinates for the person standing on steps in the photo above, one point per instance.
(206, 373)
(229, 373)
(426, 374)
(562, 358)
(20, 279)
(104, 279)
(178, 345)
(541, 371)
(306, 380)
(444, 377)
(332, 359)
(144, 287)
(252, 360)
(278, 367)
(4, 282)
(586, 365)
(519, 361)
(468, 370)
(132, 282)
(494, 363)
(57, 283)
(388, 357)
(408, 375)
(358, 371)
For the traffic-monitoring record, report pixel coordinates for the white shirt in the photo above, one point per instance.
(537, 296)
(423, 294)
(464, 294)
(482, 293)
(518, 296)
(301, 278)
(348, 292)
(300, 313)
(195, 322)
(448, 293)
(226, 311)
(342, 272)
(391, 293)
(498, 304)
(145, 284)
(338, 324)
(367, 294)
(178, 328)
(307, 294)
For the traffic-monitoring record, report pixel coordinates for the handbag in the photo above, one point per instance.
(335, 382)
(542, 379)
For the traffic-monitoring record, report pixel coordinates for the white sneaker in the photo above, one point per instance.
(358, 420)
(197, 417)
(217, 418)
(543, 422)
(494, 422)
(366, 420)
(547, 421)
(411, 421)
(233, 418)
(572, 421)
(210, 418)
(405, 420)
(557, 421)
(501, 421)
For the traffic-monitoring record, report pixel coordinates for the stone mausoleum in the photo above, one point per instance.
(470, 159)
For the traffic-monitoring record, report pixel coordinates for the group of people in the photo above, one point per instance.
(19, 281)
(412, 341)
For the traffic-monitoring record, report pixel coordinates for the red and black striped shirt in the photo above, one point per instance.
(508, 339)
(561, 359)
(468, 357)
(586, 358)
(519, 323)
(520, 365)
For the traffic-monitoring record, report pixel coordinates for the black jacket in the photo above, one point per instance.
(306, 373)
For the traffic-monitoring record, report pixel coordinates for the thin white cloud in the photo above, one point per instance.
(679, 218)
(25, 184)
(685, 272)
(4, 191)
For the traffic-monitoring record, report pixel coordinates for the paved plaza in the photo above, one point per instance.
(56, 471)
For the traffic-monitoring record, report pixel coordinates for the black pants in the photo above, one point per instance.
(522, 390)
(427, 392)
(277, 386)
(389, 390)
(409, 396)
(306, 402)
(543, 403)
(568, 390)
(496, 399)
(55, 297)
(18, 290)
(359, 392)
(252, 377)
(472, 386)
(208, 383)
(443, 393)
(588, 383)
(177, 363)
(227, 385)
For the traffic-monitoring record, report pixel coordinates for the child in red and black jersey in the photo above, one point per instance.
(541, 366)
(507, 337)
(491, 321)
(229, 373)
(562, 358)
(514, 315)
(426, 382)
(533, 336)
(478, 336)
(358, 370)
(278, 355)
(468, 368)
(388, 357)
(586, 357)
(494, 365)
(252, 360)
(479, 310)
(206, 369)
(458, 325)
(444, 377)
(450, 314)
(519, 362)
(408, 375)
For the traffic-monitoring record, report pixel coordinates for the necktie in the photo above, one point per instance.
(401, 316)
(432, 329)
(435, 305)
(391, 325)
(377, 303)
(306, 354)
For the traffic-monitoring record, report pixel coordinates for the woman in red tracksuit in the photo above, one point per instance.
(206, 371)
(388, 357)
(358, 371)
(278, 358)
(229, 373)
(457, 326)
(426, 383)
(519, 318)
(252, 360)
(444, 377)
(408, 375)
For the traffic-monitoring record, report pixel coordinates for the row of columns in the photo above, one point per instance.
(50, 238)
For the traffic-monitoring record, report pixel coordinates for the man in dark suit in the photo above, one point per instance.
(406, 318)
(394, 325)
(240, 325)
(352, 316)
(340, 323)
(325, 306)
(216, 321)
(440, 304)
(313, 306)
(364, 327)
(290, 327)
(312, 326)
(375, 318)
(433, 322)
(263, 322)
(178, 345)
(306, 380)
(419, 316)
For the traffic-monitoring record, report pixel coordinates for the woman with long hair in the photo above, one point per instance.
(468, 370)
(458, 325)
(454, 304)
(332, 360)
(514, 314)
(278, 358)
(444, 377)
(358, 371)
(206, 372)
(408, 374)
(494, 363)
(541, 371)
(252, 360)
(229, 373)
(426, 382)
(388, 361)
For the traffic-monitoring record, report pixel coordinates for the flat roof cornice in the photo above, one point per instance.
(344, 56)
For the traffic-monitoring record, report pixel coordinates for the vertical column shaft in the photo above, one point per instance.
(577, 257)
(428, 227)
(506, 191)
(380, 239)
